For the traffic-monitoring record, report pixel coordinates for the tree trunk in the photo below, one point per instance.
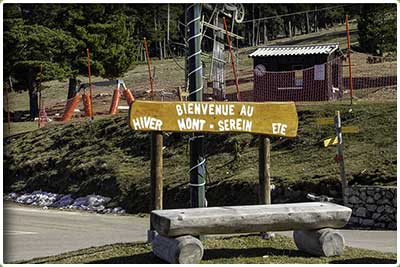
(33, 94)
(253, 41)
(307, 23)
(165, 49)
(315, 20)
(71, 87)
(161, 49)
(265, 34)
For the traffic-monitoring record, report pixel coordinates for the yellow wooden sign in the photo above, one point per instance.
(350, 129)
(325, 121)
(330, 141)
(270, 118)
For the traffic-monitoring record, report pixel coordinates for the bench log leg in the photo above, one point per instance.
(324, 242)
(179, 250)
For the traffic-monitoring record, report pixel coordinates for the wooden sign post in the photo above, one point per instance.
(263, 170)
(340, 160)
(156, 174)
(267, 118)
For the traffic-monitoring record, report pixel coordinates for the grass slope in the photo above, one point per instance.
(245, 249)
(106, 157)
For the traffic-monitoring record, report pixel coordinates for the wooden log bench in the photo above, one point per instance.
(312, 223)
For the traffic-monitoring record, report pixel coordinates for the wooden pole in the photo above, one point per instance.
(168, 17)
(149, 69)
(232, 60)
(156, 171)
(90, 83)
(156, 178)
(40, 93)
(180, 93)
(339, 157)
(8, 108)
(264, 173)
(348, 56)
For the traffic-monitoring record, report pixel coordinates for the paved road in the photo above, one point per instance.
(384, 241)
(32, 232)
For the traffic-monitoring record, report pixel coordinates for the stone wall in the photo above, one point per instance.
(374, 207)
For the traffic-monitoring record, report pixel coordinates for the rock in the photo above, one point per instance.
(360, 212)
(45, 199)
(97, 200)
(80, 201)
(376, 216)
(118, 210)
(380, 209)
(377, 196)
(392, 226)
(354, 200)
(363, 196)
(382, 201)
(380, 225)
(100, 208)
(23, 199)
(12, 196)
(63, 201)
(367, 222)
(389, 209)
(389, 195)
(107, 210)
(370, 200)
(370, 193)
(354, 220)
(384, 218)
(371, 207)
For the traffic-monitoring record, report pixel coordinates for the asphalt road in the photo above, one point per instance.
(33, 232)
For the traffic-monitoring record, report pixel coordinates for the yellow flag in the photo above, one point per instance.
(324, 121)
(330, 141)
(350, 129)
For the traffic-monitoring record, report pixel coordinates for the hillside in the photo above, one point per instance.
(106, 157)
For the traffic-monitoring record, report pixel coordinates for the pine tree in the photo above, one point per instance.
(26, 47)
(377, 29)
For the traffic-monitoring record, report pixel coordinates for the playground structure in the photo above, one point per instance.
(87, 103)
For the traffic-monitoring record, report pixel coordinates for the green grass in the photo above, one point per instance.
(244, 249)
(106, 157)
(19, 127)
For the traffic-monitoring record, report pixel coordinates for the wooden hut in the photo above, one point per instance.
(297, 73)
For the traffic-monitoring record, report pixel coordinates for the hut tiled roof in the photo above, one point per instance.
(294, 50)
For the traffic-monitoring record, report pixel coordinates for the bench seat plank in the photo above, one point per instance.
(248, 219)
